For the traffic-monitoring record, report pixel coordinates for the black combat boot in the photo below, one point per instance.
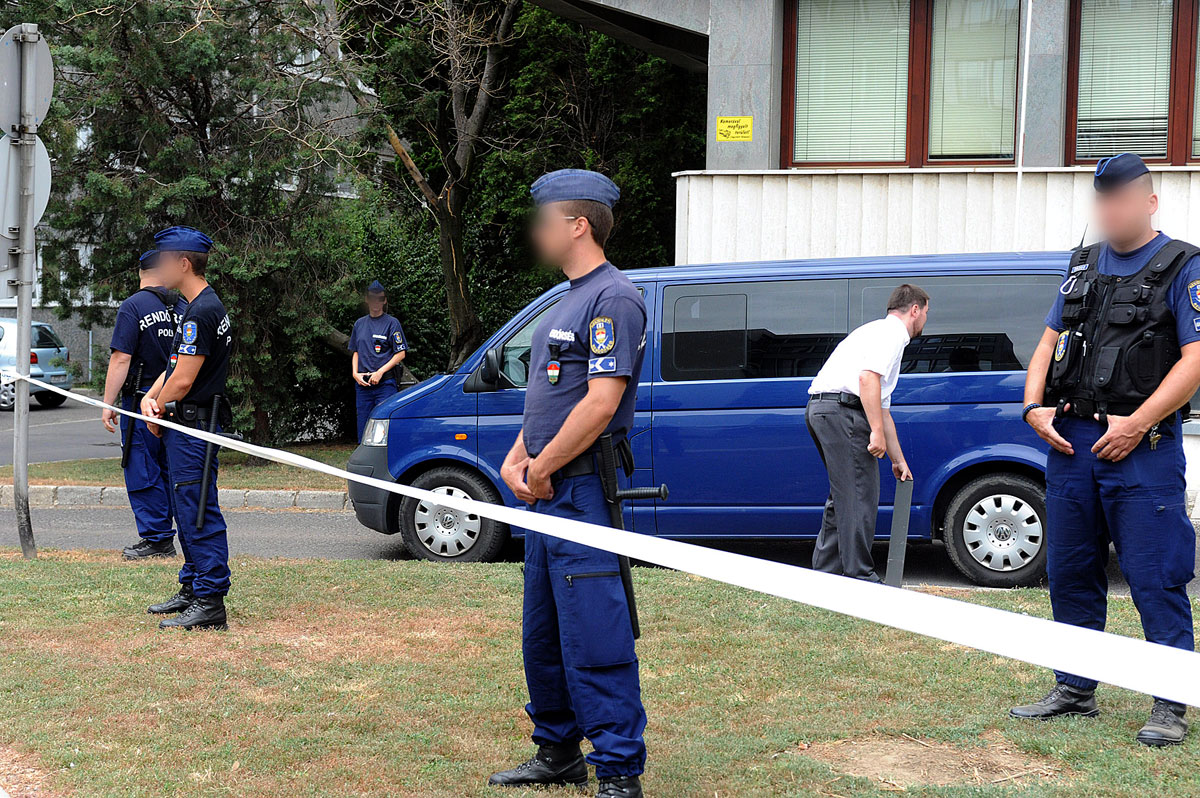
(205, 612)
(552, 764)
(1062, 700)
(145, 548)
(624, 787)
(176, 603)
(1166, 725)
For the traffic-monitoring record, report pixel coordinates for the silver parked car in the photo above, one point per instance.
(47, 362)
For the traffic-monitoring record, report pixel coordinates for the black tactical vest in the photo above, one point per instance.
(1118, 340)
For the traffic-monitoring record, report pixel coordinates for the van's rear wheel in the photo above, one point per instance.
(435, 532)
(996, 531)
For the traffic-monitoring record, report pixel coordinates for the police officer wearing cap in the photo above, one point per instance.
(1118, 360)
(189, 392)
(578, 644)
(141, 343)
(378, 346)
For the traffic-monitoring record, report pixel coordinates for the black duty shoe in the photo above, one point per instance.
(1062, 700)
(176, 603)
(145, 548)
(1166, 725)
(625, 787)
(552, 764)
(205, 612)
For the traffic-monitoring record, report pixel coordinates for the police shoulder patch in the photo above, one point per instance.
(397, 337)
(1060, 348)
(189, 332)
(600, 334)
(1194, 294)
(187, 349)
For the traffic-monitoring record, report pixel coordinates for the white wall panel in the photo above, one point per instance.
(727, 216)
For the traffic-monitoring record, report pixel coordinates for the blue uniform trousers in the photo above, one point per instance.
(1138, 504)
(146, 481)
(578, 646)
(205, 551)
(367, 399)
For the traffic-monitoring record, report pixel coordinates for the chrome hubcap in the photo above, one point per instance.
(8, 395)
(444, 531)
(1003, 532)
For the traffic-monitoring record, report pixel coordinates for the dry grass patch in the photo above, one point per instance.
(902, 762)
(21, 778)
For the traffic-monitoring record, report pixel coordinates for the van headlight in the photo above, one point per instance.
(376, 432)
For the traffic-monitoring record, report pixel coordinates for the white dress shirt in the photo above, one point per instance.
(876, 346)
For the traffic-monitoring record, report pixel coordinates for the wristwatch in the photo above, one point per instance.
(1028, 408)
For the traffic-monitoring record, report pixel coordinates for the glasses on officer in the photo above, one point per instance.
(544, 220)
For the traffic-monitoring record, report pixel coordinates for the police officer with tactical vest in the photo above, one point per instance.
(578, 638)
(191, 392)
(141, 344)
(1119, 358)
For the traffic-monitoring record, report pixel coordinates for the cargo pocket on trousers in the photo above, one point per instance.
(594, 619)
(1178, 541)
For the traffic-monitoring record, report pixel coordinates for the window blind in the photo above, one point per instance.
(1124, 78)
(851, 80)
(973, 79)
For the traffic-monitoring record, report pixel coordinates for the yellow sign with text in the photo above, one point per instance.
(735, 128)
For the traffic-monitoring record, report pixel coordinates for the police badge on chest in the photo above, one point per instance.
(553, 367)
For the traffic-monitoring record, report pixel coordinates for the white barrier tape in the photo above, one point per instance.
(1150, 668)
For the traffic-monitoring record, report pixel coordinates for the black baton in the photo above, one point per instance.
(614, 497)
(210, 451)
(127, 443)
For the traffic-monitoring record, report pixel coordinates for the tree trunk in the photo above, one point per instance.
(466, 332)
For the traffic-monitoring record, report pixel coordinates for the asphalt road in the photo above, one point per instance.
(70, 432)
(338, 535)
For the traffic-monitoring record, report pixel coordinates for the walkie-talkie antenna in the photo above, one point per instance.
(1083, 237)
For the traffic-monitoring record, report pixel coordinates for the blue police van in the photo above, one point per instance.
(731, 351)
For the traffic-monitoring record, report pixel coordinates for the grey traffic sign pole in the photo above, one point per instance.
(25, 254)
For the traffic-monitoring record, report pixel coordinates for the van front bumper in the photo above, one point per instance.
(375, 508)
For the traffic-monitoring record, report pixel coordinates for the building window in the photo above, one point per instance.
(851, 80)
(1132, 81)
(901, 81)
(973, 79)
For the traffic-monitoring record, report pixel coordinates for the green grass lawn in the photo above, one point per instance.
(234, 472)
(404, 678)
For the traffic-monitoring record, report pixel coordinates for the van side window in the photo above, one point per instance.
(733, 331)
(514, 354)
(976, 323)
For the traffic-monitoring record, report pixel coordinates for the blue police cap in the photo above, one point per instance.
(574, 184)
(182, 239)
(376, 287)
(1117, 171)
(149, 259)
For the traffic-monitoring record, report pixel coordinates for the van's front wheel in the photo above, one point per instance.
(435, 532)
(996, 531)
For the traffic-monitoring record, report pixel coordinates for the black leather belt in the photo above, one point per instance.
(581, 466)
(841, 397)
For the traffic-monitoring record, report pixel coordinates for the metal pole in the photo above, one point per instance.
(25, 253)
(1021, 133)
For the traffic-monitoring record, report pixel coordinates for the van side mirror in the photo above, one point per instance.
(489, 370)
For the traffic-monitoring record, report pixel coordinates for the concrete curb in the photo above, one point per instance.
(97, 496)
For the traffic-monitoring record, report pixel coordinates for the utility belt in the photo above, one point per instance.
(190, 413)
(1086, 408)
(587, 463)
(843, 398)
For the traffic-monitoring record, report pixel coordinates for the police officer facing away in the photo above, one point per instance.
(578, 644)
(379, 347)
(141, 343)
(1120, 356)
(850, 401)
(193, 386)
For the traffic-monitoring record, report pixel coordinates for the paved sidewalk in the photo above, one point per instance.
(97, 496)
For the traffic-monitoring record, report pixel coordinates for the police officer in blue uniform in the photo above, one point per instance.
(141, 343)
(378, 346)
(1118, 360)
(191, 391)
(580, 664)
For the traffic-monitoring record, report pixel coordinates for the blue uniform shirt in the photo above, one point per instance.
(598, 329)
(145, 329)
(1185, 309)
(376, 340)
(204, 329)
